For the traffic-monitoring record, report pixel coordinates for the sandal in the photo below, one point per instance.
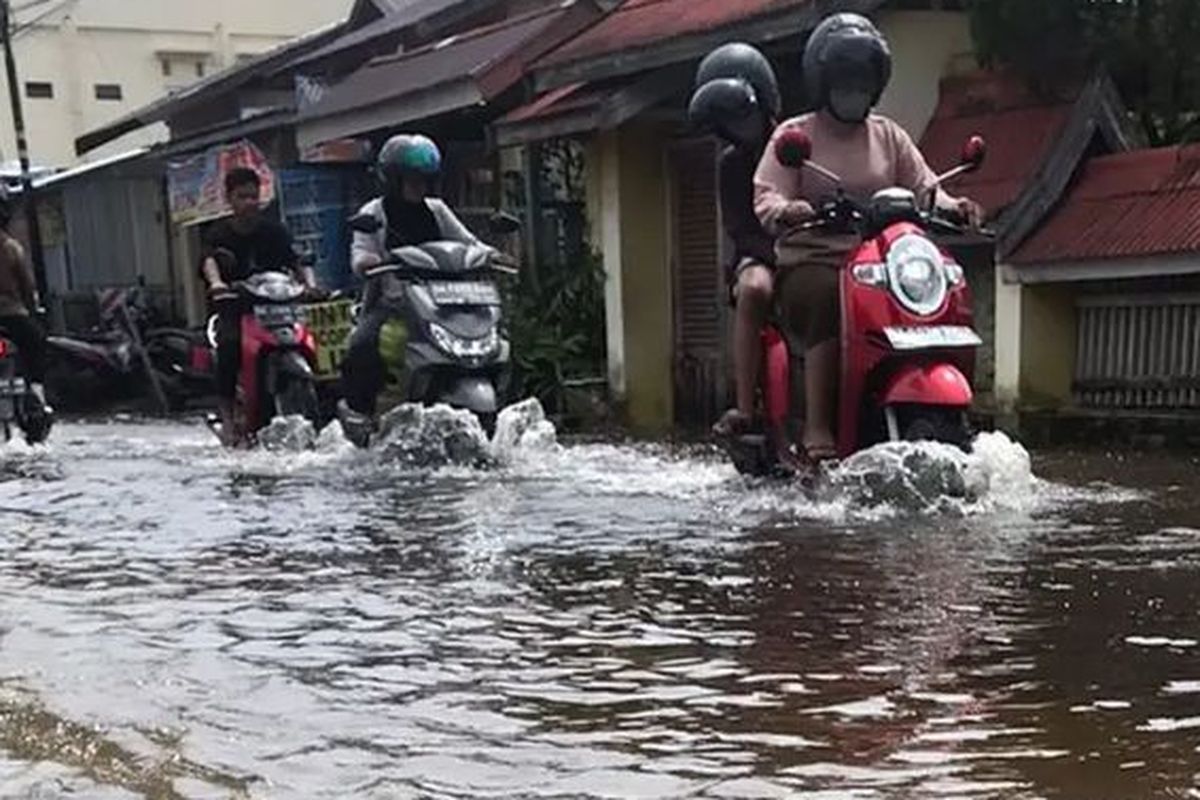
(818, 453)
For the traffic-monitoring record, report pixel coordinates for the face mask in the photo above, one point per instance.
(849, 105)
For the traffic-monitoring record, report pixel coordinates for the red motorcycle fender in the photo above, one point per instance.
(777, 386)
(929, 385)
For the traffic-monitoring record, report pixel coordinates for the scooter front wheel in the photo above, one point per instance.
(298, 399)
(934, 424)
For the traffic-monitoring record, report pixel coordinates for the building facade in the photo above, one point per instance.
(83, 63)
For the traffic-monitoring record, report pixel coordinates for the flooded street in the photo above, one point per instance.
(592, 621)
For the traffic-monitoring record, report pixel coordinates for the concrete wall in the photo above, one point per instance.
(926, 46)
(1048, 344)
(1009, 309)
(88, 42)
(631, 188)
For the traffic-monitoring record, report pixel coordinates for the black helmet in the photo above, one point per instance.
(846, 48)
(408, 154)
(742, 61)
(723, 105)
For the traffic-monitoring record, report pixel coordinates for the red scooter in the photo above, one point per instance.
(907, 341)
(277, 377)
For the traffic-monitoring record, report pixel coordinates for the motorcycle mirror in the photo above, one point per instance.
(365, 223)
(974, 152)
(503, 224)
(793, 148)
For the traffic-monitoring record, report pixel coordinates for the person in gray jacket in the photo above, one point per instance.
(409, 166)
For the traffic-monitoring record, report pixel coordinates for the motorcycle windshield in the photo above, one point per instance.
(450, 258)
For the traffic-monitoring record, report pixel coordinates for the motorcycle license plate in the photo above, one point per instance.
(464, 293)
(276, 316)
(12, 387)
(931, 337)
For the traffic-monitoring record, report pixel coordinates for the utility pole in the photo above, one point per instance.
(7, 22)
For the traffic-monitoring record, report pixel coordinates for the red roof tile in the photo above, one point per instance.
(1139, 203)
(638, 23)
(1020, 129)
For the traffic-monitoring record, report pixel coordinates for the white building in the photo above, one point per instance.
(83, 63)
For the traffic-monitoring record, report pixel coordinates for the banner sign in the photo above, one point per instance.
(197, 185)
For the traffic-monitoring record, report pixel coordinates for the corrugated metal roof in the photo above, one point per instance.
(564, 100)
(1139, 203)
(458, 58)
(1020, 129)
(637, 23)
(400, 15)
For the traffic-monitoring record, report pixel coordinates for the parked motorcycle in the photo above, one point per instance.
(19, 405)
(907, 341)
(108, 363)
(444, 317)
(278, 352)
(184, 361)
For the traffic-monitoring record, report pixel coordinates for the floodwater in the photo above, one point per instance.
(591, 620)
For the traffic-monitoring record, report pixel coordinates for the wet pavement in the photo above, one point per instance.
(592, 620)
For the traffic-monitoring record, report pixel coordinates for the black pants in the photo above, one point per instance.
(229, 350)
(363, 371)
(30, 340)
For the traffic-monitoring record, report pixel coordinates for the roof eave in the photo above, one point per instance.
(1102, 269)
(1097, 112)
(313, 129)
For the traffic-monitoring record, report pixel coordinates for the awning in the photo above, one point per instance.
(90, 168)
(585, 108)
(464, 71)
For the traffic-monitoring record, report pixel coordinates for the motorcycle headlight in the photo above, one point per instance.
(457, 346)
(916, 274)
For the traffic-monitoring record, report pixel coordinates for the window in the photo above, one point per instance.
(199, 69)
(39, 90)
(166, 67)
(108, 91)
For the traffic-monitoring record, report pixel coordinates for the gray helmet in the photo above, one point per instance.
(747, 63)
(846, 47)
(408, 154)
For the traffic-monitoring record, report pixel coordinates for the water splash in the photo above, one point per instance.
(293, 434)
(432, 437)
(523, 427)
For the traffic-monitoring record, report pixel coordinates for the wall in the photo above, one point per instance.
(926, 46)
(649, 331)
(1048, 334)
(85, 42)
(632, 195)
(1008, 344)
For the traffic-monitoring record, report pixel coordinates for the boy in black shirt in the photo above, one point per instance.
(245, 244)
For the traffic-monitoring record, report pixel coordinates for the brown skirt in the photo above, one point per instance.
(807, 288)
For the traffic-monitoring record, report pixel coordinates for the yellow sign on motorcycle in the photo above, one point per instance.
(331, 325)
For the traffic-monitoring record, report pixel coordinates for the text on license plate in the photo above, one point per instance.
(931, 337)
(272, 316)
(464, 293)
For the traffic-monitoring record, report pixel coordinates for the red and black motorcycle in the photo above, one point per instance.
(907, 338)
(19, 405)
(278, 354)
